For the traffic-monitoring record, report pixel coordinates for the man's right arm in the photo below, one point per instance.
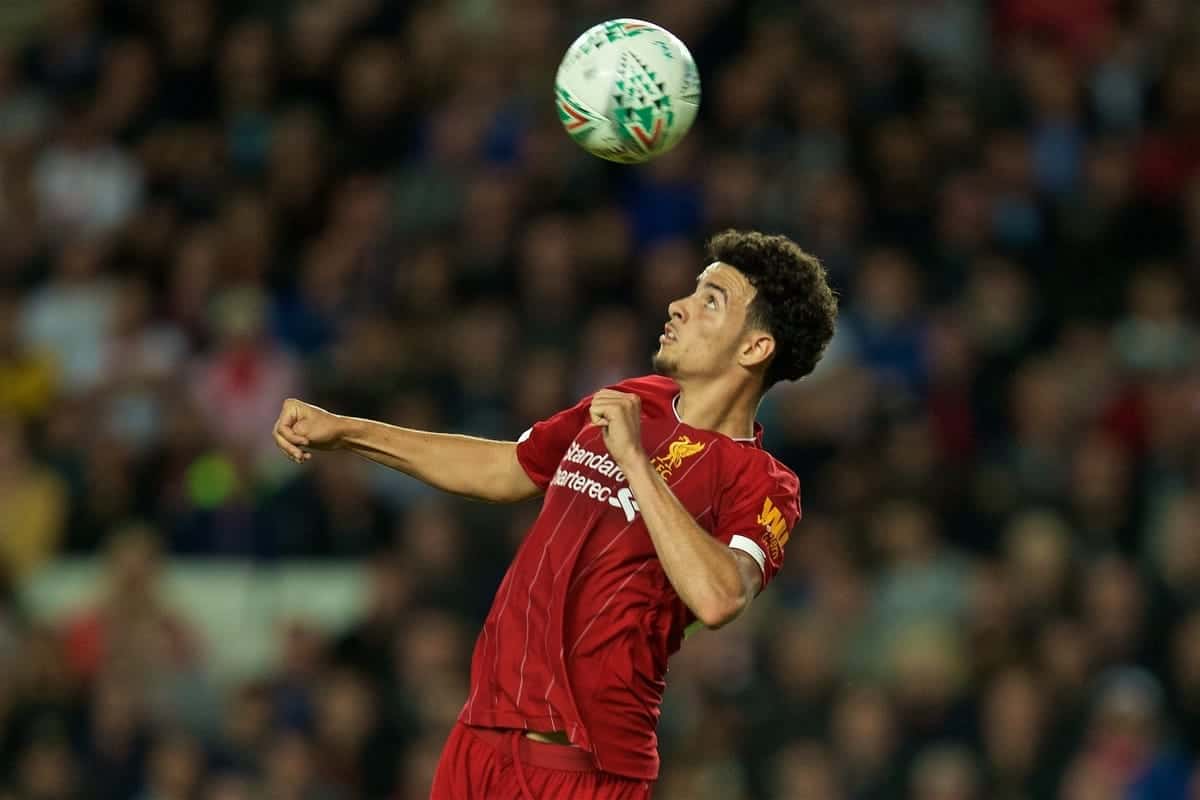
(480, 468)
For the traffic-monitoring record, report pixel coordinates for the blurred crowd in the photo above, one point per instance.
(207, 206)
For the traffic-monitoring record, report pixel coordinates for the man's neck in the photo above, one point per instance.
(714, 407)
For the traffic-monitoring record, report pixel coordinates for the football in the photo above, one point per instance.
(627, 91)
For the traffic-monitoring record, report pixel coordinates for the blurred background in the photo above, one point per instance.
(207, 206)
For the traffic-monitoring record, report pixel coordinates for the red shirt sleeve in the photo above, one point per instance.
(757, 512)
(542, 447)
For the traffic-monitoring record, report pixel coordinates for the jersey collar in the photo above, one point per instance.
(756, 439)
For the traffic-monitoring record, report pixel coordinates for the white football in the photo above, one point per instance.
(627, 91)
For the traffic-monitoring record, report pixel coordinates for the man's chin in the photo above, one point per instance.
(663, 365)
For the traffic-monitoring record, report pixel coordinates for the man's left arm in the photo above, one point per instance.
(715, 581)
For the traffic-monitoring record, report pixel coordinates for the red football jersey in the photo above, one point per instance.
(582, 625)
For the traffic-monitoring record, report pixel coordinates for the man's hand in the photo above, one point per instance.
(620, 415)
(302, 427)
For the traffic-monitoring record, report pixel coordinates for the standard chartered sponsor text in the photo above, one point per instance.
(584, 484)
(599, 462)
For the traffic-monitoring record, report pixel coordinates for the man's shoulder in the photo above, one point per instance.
(757, 464)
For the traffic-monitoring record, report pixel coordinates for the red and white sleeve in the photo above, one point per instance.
(542, 447)
(756, 514)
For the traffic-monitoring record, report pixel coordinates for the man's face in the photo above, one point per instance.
(708, 327)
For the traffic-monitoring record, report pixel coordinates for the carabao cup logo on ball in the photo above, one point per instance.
(627, 91)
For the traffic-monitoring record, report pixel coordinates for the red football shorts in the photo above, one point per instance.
(489, 764)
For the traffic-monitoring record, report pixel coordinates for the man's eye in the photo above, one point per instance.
(712, 301)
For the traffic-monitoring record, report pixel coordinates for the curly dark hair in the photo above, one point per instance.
(793, 301)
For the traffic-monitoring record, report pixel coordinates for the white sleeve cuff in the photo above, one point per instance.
(751, 548)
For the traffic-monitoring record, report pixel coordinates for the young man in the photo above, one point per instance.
(661, 510)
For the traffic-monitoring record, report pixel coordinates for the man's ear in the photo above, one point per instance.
(757, 348)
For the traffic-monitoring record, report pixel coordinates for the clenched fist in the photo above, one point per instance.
(620, 415)
(302, 427)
